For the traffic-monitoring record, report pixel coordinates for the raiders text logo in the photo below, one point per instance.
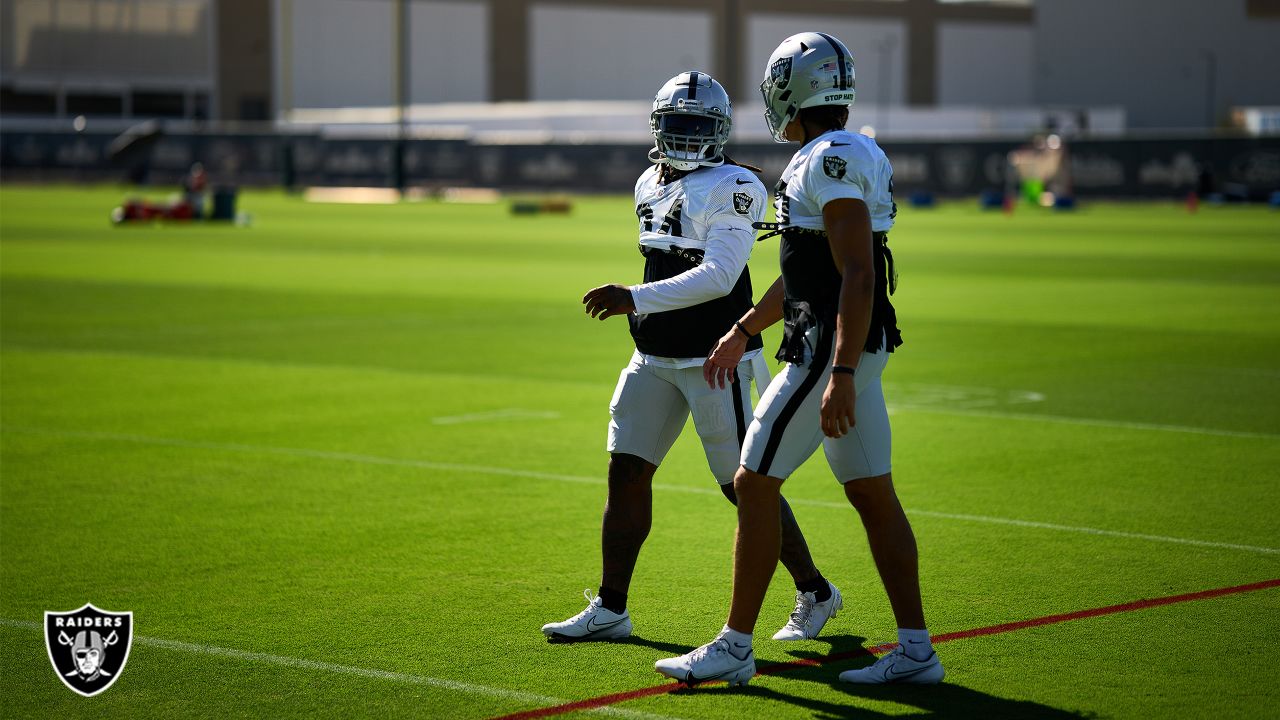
(741, 203)
(833, 166)
(88, 647)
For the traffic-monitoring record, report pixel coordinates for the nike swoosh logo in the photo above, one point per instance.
(593, 626)
(740, 181)
(839, 144)
(691, 679)
(890, 673)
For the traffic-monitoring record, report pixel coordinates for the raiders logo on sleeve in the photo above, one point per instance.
(833, 166)
(742, 203)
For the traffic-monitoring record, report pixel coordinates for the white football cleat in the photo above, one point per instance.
(714, 661)
(896, 667)
(595, 623)
(810, 615)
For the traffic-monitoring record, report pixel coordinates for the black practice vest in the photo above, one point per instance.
(689, 332)
(812, 292)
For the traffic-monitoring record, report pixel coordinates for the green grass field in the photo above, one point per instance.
(346, 462)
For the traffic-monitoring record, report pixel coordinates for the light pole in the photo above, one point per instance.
(1210, 79)
(884, 48)
(400, 91)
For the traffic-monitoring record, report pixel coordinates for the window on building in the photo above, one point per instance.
(159, 104)
(1263, 8)
(17, 102)
(83, 103)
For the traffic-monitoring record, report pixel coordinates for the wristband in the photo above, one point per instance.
(738, 324)
(845, 369)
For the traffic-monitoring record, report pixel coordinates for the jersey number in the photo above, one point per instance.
(784, 202)
(645, 213)
(670, 223)
(893, 212)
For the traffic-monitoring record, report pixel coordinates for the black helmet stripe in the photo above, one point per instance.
(844, 79)
(693, 85)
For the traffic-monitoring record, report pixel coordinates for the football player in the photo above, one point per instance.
(695, 209)
(834, 207)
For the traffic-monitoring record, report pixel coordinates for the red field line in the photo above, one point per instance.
(773, 669)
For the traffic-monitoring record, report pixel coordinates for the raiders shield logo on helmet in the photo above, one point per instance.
(780, 72)
(833, 166)
(88, 647)
(742, 203)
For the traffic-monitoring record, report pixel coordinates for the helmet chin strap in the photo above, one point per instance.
(657, 158)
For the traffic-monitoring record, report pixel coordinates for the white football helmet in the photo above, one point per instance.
(691, 119)
(807, 70)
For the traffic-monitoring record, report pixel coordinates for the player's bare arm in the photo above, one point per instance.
(848, 225)
(609, 300)
(720, 366)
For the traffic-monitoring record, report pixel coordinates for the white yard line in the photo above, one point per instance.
(1053, 526)
(512, 472)
(293, 662)
(1092, 422)
(1095, 531)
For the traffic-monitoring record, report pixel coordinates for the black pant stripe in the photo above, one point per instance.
(817, 366)
(737, 410)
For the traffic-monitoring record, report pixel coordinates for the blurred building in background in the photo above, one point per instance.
(1164, 63)
(564, 73)
(127, 58)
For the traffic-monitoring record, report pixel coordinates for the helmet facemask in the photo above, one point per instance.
(691, 120)
(778, 112)
(687, 140)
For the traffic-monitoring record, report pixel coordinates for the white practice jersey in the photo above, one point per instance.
(835, 165)
(709, 212)
(696, 234)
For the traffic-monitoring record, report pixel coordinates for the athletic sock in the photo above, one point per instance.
(915, 643)
(613, 600)
(819, 586)
(739, 642)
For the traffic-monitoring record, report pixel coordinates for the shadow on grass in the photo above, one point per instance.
(945, 700)
(956, 701)
(673, 648)
(840, 645)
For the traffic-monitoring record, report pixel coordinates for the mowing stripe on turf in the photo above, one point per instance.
(492, 415)
(776, 668)
(512, 472)
(462, 687)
